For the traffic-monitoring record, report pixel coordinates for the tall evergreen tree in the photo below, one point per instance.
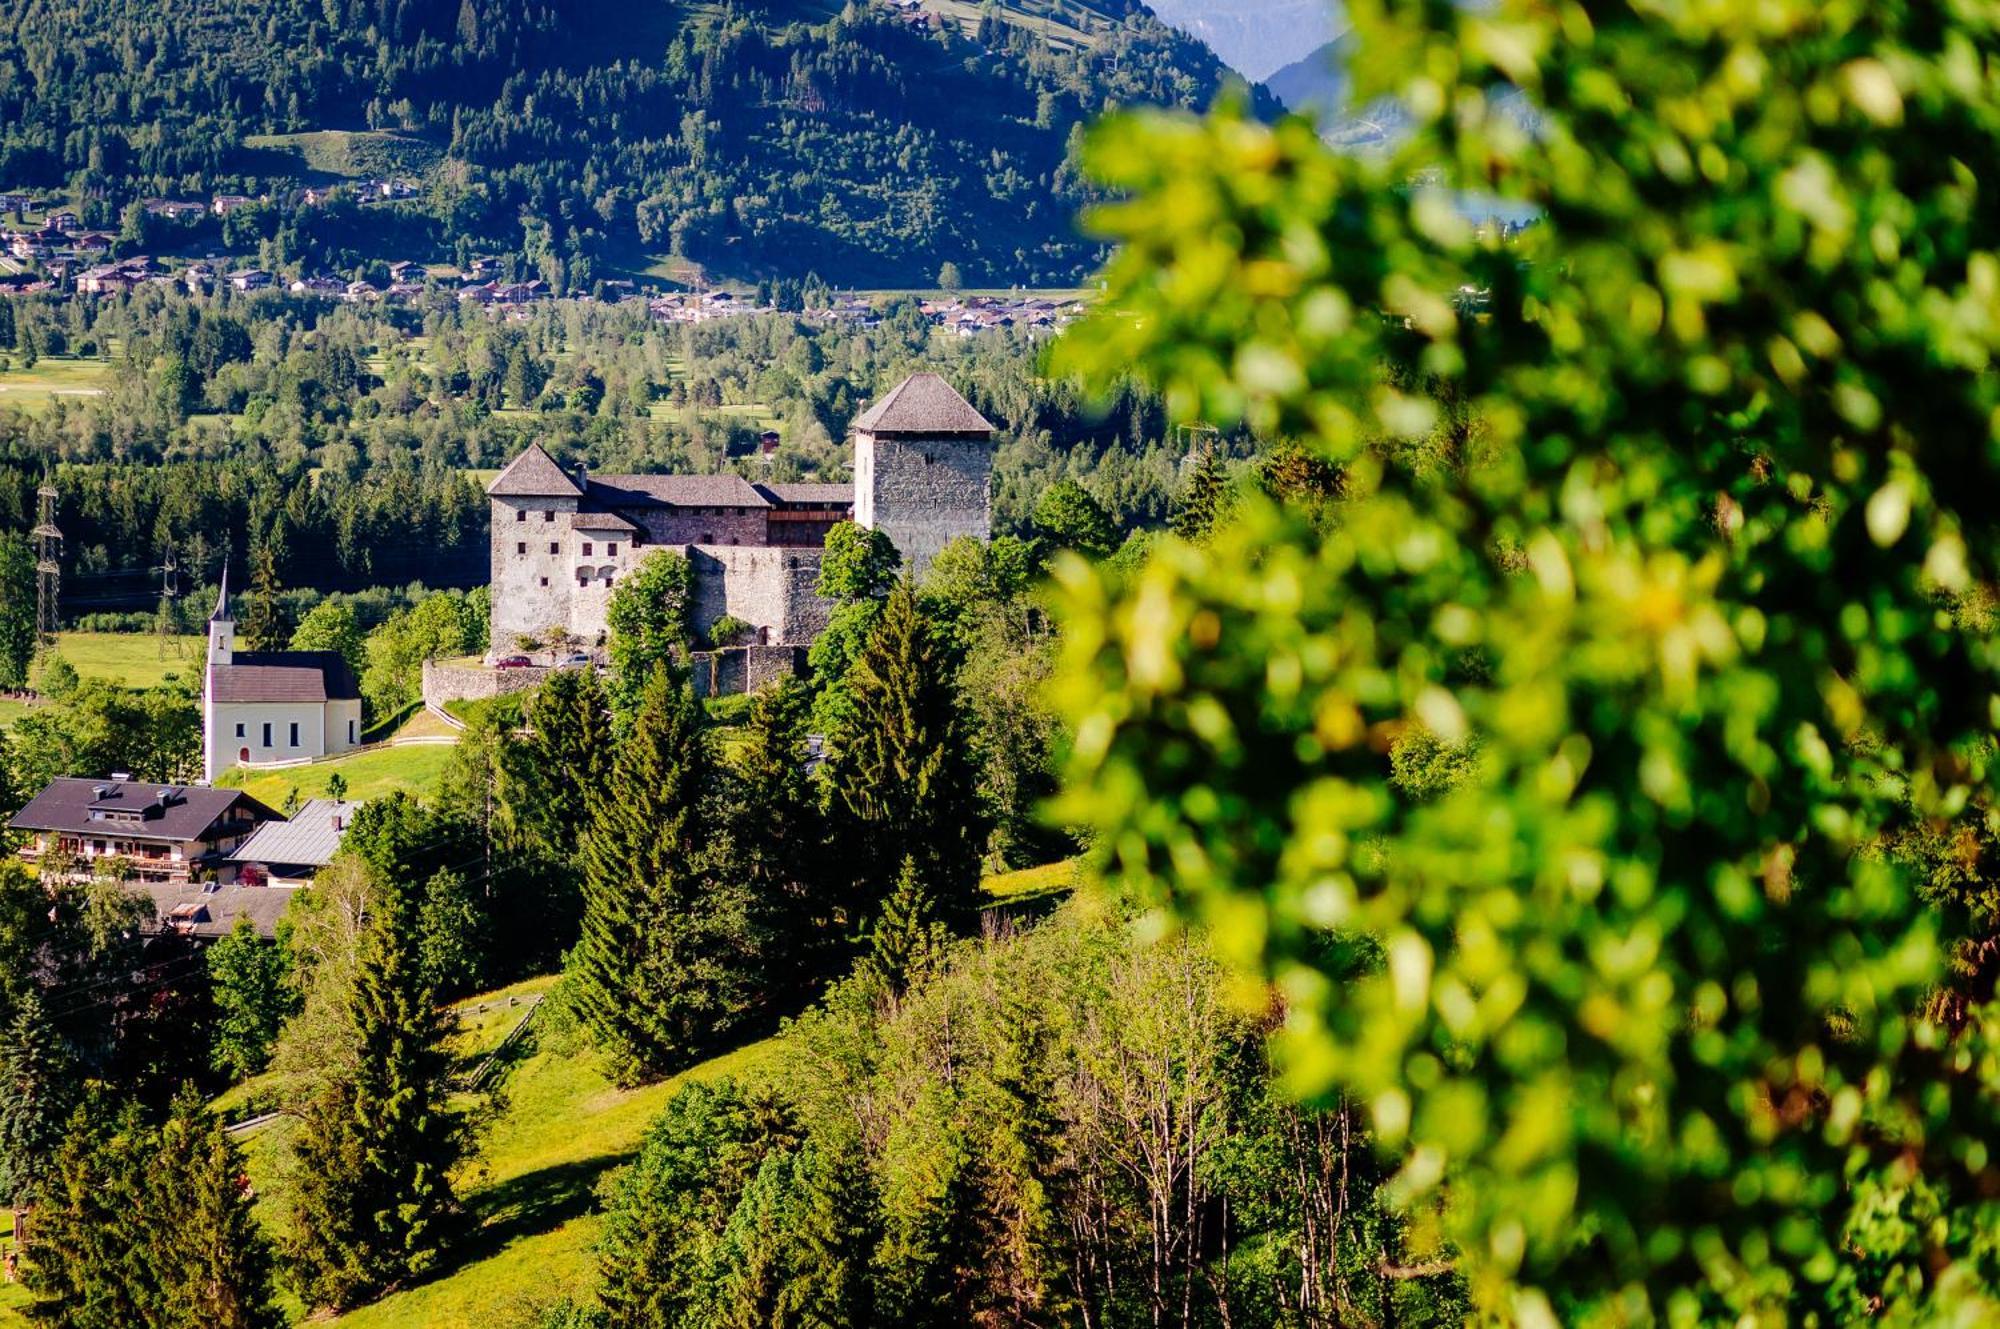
(212, 1257)
(546, 786)
(144, 1225)
(778, 837)
(265, 624)
(376, 1149)
(1202, 498)
(906, 941)
(901, 775)
(662, 968)
(38, 1091)
(18, 635)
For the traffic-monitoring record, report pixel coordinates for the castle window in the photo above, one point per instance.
(545, 581)
(612, 549)
(555, 547)
(520, 514)
(521, 546)
(583, 576)
(708, 537)
(549, 515)
(586, 549)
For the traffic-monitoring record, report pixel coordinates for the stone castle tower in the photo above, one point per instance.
(923, 469)
(561, 541)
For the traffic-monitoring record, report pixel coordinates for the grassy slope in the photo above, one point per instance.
(53, 376)
(131, 659)
(368, 774)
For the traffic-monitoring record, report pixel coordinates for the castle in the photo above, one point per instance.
(923, 463)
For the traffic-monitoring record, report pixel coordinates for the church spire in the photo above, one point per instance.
(221, 614)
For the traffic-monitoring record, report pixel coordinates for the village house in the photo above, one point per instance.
(291, 853)
(224, 204)
(62, 220)
(160, 833)
(175, 209)
(250, 279)
(264, 707)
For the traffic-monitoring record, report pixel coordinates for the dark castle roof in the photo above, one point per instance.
(534, 474)
(255, 676)
(923, 404)
(132, 809)
(808, 493)
(680, 491)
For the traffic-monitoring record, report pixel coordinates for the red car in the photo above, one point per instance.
(513, 662)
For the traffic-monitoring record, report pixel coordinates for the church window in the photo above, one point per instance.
(586, 549)
(239, 731)
(295, 734)
(267, 735)
(350, 731)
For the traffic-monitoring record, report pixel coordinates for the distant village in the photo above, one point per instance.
(57, 255)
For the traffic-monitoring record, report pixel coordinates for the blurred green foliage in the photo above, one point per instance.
(1658, 522)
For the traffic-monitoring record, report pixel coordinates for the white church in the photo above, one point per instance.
(261, 708)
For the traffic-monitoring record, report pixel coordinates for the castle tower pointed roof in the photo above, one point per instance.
(923, 404)
(534, 474)
(221, 614)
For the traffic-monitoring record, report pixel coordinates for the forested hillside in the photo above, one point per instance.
(781, 136)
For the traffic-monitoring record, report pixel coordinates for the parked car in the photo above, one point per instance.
(513, 662)
(580, 660)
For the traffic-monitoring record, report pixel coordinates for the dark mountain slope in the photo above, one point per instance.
(755, 138)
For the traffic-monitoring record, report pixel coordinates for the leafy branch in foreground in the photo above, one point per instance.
(1661, 513)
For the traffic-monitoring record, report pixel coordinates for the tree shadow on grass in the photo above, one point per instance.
(522, 1207)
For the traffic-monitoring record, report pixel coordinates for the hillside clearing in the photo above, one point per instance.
(412, 768)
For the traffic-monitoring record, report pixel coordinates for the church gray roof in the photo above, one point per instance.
(923, 404)
(264, 676)
(534, 474)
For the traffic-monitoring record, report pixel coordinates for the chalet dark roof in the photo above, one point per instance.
(809, 493)
(680, 491)
(534, 474)
(254, 676)
(131, 809)
(602, 521)
(923, 404)
(210, 911)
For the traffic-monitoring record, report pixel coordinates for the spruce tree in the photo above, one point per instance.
(1203, 497)
(38, 1091)
(547, 783)
(901, 775)
(662, 967)
(265, 626)
(211, 1256)
(906, 941)
(376, 1149)
(248, 982)
(778, 836)
(86, 1259)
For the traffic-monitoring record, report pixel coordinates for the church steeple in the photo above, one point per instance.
(222, 624)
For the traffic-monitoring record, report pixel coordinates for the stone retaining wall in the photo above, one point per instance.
(460, 682)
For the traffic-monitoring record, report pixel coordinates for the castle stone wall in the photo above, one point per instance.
(772, 588)
(923, 493)
(532, 586)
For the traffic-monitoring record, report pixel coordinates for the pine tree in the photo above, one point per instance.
(906, 942)
(547, 784)
(662, 968)
(901, 774)
(1203, 497)
(38, 1091)
(211, 1255)
(375, 1150)
(779, 836)
(85, 1263)
(264, 622)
